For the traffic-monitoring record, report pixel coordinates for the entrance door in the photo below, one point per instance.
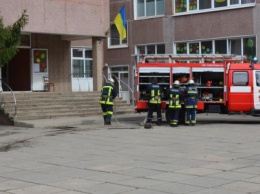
(16, 74)
(81, 77)
(39, 68)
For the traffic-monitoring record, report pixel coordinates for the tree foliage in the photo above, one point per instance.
(10, 38)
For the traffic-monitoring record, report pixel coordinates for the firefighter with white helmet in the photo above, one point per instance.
(108, 94)
(174, 95)
(190, 101)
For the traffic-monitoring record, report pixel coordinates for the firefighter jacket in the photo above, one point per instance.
(154, 92)
(108, 94)
(191, 97)
(174, 95)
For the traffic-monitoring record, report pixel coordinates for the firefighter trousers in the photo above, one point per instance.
(190, 116)
(174, 116)
(154, 108)
(107, 113)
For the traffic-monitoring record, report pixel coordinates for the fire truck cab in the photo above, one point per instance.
(226, 84)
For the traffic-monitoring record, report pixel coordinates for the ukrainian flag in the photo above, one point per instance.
(120, 23)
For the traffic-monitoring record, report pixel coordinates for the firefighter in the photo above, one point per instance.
(108, 94)
(190, 102)
(154, 102)
(174, 95)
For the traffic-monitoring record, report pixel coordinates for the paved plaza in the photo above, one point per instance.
(220, 155)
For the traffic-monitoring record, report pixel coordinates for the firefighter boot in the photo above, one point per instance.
(107, 121)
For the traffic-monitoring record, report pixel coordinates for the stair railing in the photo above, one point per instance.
(2, 102)
(121, 81)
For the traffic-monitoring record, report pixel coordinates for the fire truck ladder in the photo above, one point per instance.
(190, 58)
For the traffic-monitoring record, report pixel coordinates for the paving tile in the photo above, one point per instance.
(175, 188)
(217, 191)
(75, 184)
(240, 186)
(223, 166)
(144, 191)
(139, 172)
(231, 175)
(140, 182)
(107, 188)
(14, 184)
(206, 182)
(250, 169)
(33, 177)
(39, 189)
(253, 180)
(171, 177)
(198, 171)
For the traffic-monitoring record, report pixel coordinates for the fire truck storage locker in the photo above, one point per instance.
(209, 82)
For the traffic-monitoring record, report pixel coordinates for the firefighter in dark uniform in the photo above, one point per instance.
(174, 95)
(190, 101)
(108, 94)
(154, 102)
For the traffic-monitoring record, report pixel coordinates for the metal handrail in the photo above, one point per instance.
(2, 103)
(120, 81)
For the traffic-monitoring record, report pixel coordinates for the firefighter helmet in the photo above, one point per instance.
(190, 81)
(176, 82)
(112, 80)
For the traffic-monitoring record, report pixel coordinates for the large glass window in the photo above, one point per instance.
(115, 39)
(220, 3)
(235, 45)
(181, 48)
(151, 49)
(149, 8)
(245, 46)
(180, 6)
(204, 4)
(206, 47)
(249, 48)
(221, 46)
(81, 62)
(193, 5)
(194, 48)
(189, 6)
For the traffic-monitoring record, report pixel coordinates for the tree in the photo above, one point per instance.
(10, 38)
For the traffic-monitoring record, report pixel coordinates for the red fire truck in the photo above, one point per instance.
(226, 84)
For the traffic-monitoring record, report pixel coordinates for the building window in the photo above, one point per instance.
(25, 41)
(194, 48)
(114, 39)
(151, 49)
(206, 47)
(249, 47)
(193, 6)
(235, 46)
(149, 8)
(238, 46)
(181, 48)
(220, 46)
(82, 63)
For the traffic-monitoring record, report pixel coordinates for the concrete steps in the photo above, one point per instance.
(48, 105)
